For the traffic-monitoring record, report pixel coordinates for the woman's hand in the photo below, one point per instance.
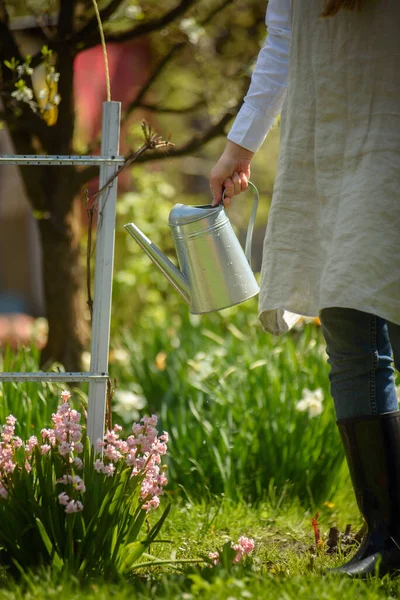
(231, 173)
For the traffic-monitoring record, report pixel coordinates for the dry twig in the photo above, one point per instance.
(152, 141)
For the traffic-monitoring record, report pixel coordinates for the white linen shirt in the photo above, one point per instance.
(266, 93)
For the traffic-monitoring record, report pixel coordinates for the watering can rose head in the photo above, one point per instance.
(215, 272)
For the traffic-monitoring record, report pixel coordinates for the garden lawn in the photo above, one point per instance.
(284, 564)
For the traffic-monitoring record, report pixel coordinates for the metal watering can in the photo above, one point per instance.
(215, 272)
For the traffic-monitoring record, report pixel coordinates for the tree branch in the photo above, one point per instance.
(150, 80)
(157, 24)
(191, 146)
(215, 11)
(196, 142)
(170, 110)
(143, 29)
(166, 59)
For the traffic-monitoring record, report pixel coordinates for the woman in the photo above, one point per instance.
(332, 246)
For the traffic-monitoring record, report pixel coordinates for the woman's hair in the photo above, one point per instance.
(333, 6)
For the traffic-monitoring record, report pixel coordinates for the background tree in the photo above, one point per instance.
(201, 53)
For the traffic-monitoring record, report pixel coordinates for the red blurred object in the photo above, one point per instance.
(314, 523)
(129, 65)
(17, 330)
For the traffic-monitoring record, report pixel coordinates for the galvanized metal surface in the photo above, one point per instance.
(31, 159)
(103, 271)
(252, 220)
(215, 272)
(109, 161)
(170, 271)
(61, 377)
(213, 261)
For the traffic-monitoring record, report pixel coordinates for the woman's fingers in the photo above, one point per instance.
(244, 182)
(232, 186)
(237, 186)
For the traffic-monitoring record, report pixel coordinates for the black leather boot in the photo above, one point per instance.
(372, 448)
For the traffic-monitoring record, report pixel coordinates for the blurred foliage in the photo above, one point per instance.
(227, 395)
(140, 289)
(193, 69)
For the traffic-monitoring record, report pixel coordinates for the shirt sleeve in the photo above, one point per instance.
(267, 90)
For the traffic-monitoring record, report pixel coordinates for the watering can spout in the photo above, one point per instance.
(173, 274)
(214, 272)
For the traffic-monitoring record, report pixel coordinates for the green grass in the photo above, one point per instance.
(282, 566)
(242, 461)
(31, 403)
(227, 396)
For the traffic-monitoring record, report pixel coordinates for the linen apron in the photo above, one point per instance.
(333, 233)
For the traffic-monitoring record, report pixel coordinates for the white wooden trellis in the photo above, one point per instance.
(108, 162)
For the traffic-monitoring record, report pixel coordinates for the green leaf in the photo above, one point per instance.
(131, 554)
(114, 538)
(57, 562)
(155, 530)
(12, 64)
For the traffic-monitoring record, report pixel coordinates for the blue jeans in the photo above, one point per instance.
(361, 348)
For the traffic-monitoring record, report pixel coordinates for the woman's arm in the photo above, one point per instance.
(262, 104)
(266, 93)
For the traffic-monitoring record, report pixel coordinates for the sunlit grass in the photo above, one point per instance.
(283, 566)
(227, 395)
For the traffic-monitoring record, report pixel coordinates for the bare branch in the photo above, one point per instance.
(170, 110)
(152, 77)
(158, 24)
(191, 146)
(215, 11)
(152, 141)
(77, 44)
(165, 60)
(197, 141)
(144, 28)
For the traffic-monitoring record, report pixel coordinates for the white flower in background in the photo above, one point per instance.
(201, 367)
(311, 401)
(24, 69)
(127, 405)
(133, 12)
(120, 356)
(23, 94)
(86, 356)
(192, 29)
(52, 76)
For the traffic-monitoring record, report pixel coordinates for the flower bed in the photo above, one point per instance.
(67, 504)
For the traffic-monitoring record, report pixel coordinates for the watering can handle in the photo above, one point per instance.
(249, 236)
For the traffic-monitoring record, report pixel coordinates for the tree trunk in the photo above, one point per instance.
(63, 280)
